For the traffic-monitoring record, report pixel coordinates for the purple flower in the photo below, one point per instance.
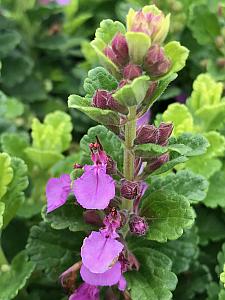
(57, 191)
(138, 225)
(144, 119)
(94, 189)
(85, 292)
(100, 252)
(108, 278)
(112, 222)
(60, 2)
(122, 284)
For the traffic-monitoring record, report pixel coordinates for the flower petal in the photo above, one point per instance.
(109, 278)
(57, 191)
(94, 189)
(122, 283)
(85, 292)
(98, 253)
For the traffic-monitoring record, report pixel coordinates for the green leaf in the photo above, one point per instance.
(180, 116)
(138, 45)
(212, 230)
(133, 93)
(103, 37)
(161, 87)
(193, 282)
(216, 193)
(15, 143)
(104, 116)
(14, 196)
(110, 142)
(182, 251)
(53, 251)
(99, 78)
(2, 209)
(9, 39)
(6, 173)
(150, 150)
(67, 216)
(186, 183)
(170, 164)
(154, 280)
(196, 144)
(177, 55)
(17, 275)
(203, 24)
(168, 215)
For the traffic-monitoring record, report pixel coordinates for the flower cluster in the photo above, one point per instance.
(105, 255)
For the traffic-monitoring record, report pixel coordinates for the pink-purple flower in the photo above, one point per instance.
(57, 191)
(85, 292)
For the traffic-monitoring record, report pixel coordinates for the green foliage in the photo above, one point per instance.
(154, 280)
(6, 173)
(2, 208)
(17, 275)
(168, 215)
(216, 191)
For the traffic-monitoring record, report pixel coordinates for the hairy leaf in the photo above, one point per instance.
(6, 173)
(216, 193)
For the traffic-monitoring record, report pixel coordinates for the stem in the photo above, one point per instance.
(129, 156)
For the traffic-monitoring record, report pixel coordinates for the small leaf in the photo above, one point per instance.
(6, 173)
(192, 186)
(216, 144)
(216, 192)
(150, 150)
(133, 93)
(99, 78)
(2, 209)
(14, 196)
(137, 53)
(110, 142)
(170, 164)
(15, 143)
(53, 251)
(104, 116)
(154, 280)
(180, 116)
(68, 216)
(9, 39)
(17, 275)
(177, 55)
(168, 215)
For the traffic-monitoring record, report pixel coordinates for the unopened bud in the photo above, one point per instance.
(147, 134)
(130, 189)
(158, 162)
(111, 166)
(156, 62)
(165, 131)
(132, 71)
(120, 48)
(221, 62)
(138, 225)
(151, 90)
(108, 51)
(92, 217)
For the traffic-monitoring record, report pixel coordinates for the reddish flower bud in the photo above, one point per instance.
(158, 162)
(92, 217)
(108, 51)
(165, 131)
(120, 48)
(152, 87)
(156, 63)
(147, 134)
(132, 71)
(138, 225)
(130, 189)
(111, 166)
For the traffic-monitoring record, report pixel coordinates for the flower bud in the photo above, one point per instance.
(158, 162)
(151, 21)
(132, 71)
(111, 166)
(129, 189)
(108, 51)
(165, 131)
(156, 63)
(92, 217)
(147, 134)
(120, 48)
(151, 90)
(138, 225)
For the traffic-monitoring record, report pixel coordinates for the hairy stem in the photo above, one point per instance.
(129, 156)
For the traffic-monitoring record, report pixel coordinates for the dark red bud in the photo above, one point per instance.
(147, 134)
(151, 90)
(92, 217)
(156, 62)
(165, 131)
(138, 225)
(120, 48)
(132, 71)
(123, 83)
(108, 51)
(77, 166)
(111, 166)
(158, 162)
(130, 189)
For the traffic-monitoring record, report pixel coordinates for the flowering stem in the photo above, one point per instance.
(129, 156)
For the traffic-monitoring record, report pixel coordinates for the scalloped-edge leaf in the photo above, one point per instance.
(133, 93)
(14, 278)
(6, 173)
(216, 193)
(104, 116)
(154, 280)
(99, 78)
(168, 215)
(170, 164)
